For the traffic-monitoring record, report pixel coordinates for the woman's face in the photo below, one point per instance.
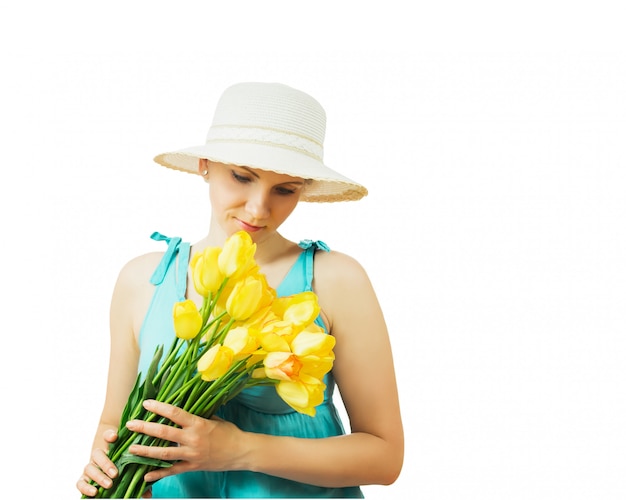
(252, 200)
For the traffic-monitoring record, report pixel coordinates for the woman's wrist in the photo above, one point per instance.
(250, 443)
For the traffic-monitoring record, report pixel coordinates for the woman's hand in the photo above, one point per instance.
(100, 469)
(202, 444)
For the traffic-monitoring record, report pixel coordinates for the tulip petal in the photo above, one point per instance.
(306, 343)
(294, 393)
(274, 343)
(237, 254)
(215, 362)
(245, 298)
(187, 319)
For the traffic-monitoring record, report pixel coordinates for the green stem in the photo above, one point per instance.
(208, 303)
(214, 324)
(182, 392)
(179, 365)
(207, 307)
(224, 331)
(208, 399)
(137, 484)
(197, 388)
(171, 355)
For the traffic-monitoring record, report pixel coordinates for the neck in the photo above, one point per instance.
(270, 248)
(267, 249)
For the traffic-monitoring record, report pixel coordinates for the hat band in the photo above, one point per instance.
(268, 137)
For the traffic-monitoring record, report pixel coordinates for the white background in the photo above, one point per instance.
(491, 139)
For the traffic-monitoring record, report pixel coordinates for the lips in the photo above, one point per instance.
(248, 227)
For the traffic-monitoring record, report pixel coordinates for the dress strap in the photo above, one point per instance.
(310, 247)
(168, 257)
(175, 246)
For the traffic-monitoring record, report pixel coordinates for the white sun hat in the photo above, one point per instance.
(270, 126)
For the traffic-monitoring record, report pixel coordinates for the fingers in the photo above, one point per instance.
(189, 434)
(174, 413)
(110, 435)
(95, 470)
(161, 431)
(100, 459)
(155, 475)
(85, 488)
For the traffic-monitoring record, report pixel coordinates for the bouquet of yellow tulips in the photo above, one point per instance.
(243, 335)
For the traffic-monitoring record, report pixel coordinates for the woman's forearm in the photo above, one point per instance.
(353, 459)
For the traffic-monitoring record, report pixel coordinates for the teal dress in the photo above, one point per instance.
(257, 409)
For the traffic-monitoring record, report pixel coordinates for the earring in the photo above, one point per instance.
(205, 172)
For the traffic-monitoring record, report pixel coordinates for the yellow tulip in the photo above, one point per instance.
(260, 318)
(309, 354)
(312, 345)
(315, 366)
(316, 343)
(207, 277)
(302, 395)
(269, 294)
(314, 350)
(282, 366)
(273, 342)
(302, 309)
(293, 393)
(242, 342)
(215, 362)
(315, 387)
(237, 255)
(245, 298)
(266, 321)
(187, 319)
(266, 297)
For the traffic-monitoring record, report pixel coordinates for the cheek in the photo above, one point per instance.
(286, 208)
(221, 197)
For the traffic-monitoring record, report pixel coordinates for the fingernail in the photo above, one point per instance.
(112, 472)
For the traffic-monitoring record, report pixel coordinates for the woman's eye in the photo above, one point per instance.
(285, 191)
(240, 178)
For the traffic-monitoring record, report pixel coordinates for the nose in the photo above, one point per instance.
(258, 204)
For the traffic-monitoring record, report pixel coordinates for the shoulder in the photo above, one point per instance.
(335, 268)
(345, 293)
(139, 269)
(341, 284)
(133, 292)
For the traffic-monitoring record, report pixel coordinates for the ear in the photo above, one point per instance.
(203, 168)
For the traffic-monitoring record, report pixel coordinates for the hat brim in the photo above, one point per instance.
(326, 185)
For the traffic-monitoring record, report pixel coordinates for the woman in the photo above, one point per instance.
(262, 156)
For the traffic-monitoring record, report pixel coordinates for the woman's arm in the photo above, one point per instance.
(129, 302)
(364, 370)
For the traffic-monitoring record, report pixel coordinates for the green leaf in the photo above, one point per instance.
(128, 458)
(122, 483)
(133, 400)
(149, 390)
